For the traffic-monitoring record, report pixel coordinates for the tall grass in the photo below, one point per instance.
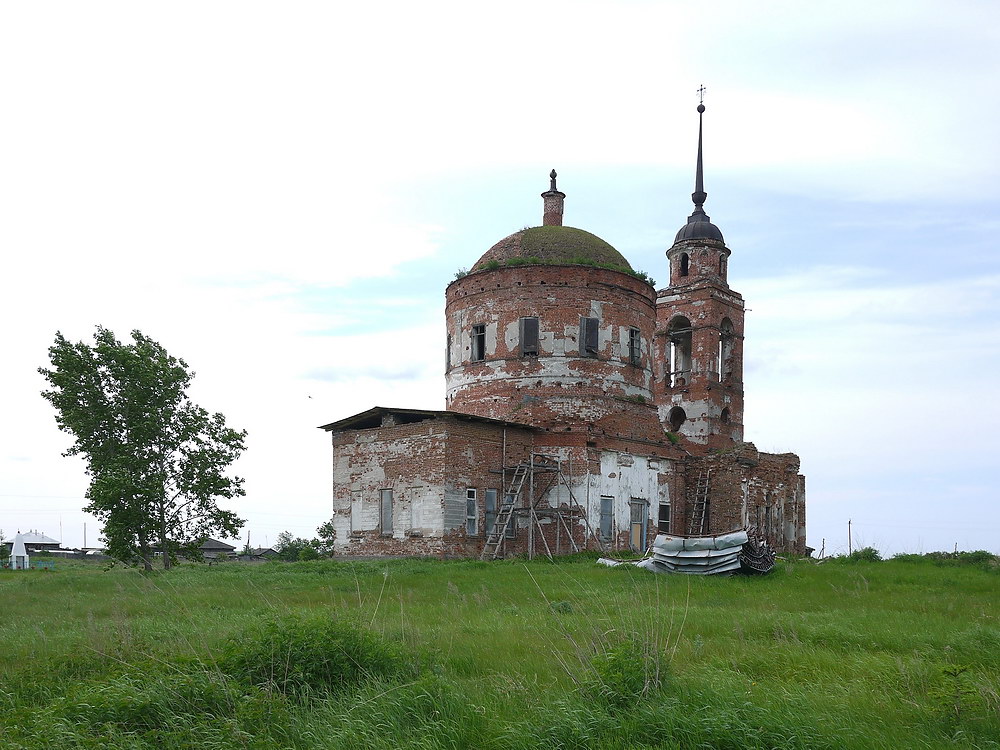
(514, 654)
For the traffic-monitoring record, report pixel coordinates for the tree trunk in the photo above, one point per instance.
(167, 562)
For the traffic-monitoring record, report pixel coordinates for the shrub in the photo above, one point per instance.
(298, 654)
(865, 554)
(308, 553)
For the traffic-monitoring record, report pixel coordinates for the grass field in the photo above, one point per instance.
(514, 654)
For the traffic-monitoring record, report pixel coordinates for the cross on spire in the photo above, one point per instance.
(701, 94)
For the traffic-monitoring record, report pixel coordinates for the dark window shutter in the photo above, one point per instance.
(529, 336)
(588, 337)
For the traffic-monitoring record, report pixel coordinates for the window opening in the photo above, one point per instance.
(529, 337)
(511, 531)
(385, 512)
(679, 332)
(727, 336)
(607, 517)
(447, 353)
(724, 417)
(588, 337)
(356, 511)
(471, 513)
(491, 511)
(684, 264)
(722, 265)
(663, 519)
(676, 417)
(478, 343)
(634, 346)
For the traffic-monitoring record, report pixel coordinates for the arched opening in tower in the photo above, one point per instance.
(726, 339)
(679, 332)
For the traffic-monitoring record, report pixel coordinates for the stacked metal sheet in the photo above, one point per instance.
(706, 555)
(703, 555)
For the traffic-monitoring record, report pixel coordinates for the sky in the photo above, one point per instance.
(279, 192)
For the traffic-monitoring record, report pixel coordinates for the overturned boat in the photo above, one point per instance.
(736, 552)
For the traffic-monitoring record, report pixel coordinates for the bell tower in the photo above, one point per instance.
(699, 321)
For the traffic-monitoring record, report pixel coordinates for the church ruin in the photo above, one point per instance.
(585, 409)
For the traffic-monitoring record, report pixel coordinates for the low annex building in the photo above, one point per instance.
(585, 409)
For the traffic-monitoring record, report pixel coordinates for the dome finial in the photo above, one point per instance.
(552, 180)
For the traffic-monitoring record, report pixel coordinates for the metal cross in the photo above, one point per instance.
(701, 94)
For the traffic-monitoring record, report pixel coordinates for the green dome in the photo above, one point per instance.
(554, 245)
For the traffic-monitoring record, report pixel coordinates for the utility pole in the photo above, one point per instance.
(850, 549)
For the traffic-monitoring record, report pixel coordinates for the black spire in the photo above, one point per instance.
(699, 195)
(699, 225)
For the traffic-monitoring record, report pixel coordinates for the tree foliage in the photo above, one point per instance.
(156, 460)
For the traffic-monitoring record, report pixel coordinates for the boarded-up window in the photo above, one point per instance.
(478, 343)
(529, 337)
(356, 510)
(588, 337)
(471, 513)
(607, 517)
(491, 510)
(663, 519)
(634, 346)
(385, 512)
(416, 498)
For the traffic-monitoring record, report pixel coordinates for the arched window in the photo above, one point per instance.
(724, 417)
(727, 336)
(679, 333)
(676, 418)
(684, 264)
(722, 265)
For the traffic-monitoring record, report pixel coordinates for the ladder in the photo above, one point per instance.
(699, 508)
(495, 538)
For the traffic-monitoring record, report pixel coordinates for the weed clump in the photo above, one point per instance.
(302, 654)
(626, 672)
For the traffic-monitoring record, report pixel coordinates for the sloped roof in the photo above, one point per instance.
(33, 537)
(18, 549)
(215, 544)
(372, 418)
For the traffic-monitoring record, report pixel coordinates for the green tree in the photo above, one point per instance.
(327, 535)
(156, 460)
(288, 547)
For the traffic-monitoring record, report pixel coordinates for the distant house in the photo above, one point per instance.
(213, 548)
(258, 554)
(34, 541)
(210, 549)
